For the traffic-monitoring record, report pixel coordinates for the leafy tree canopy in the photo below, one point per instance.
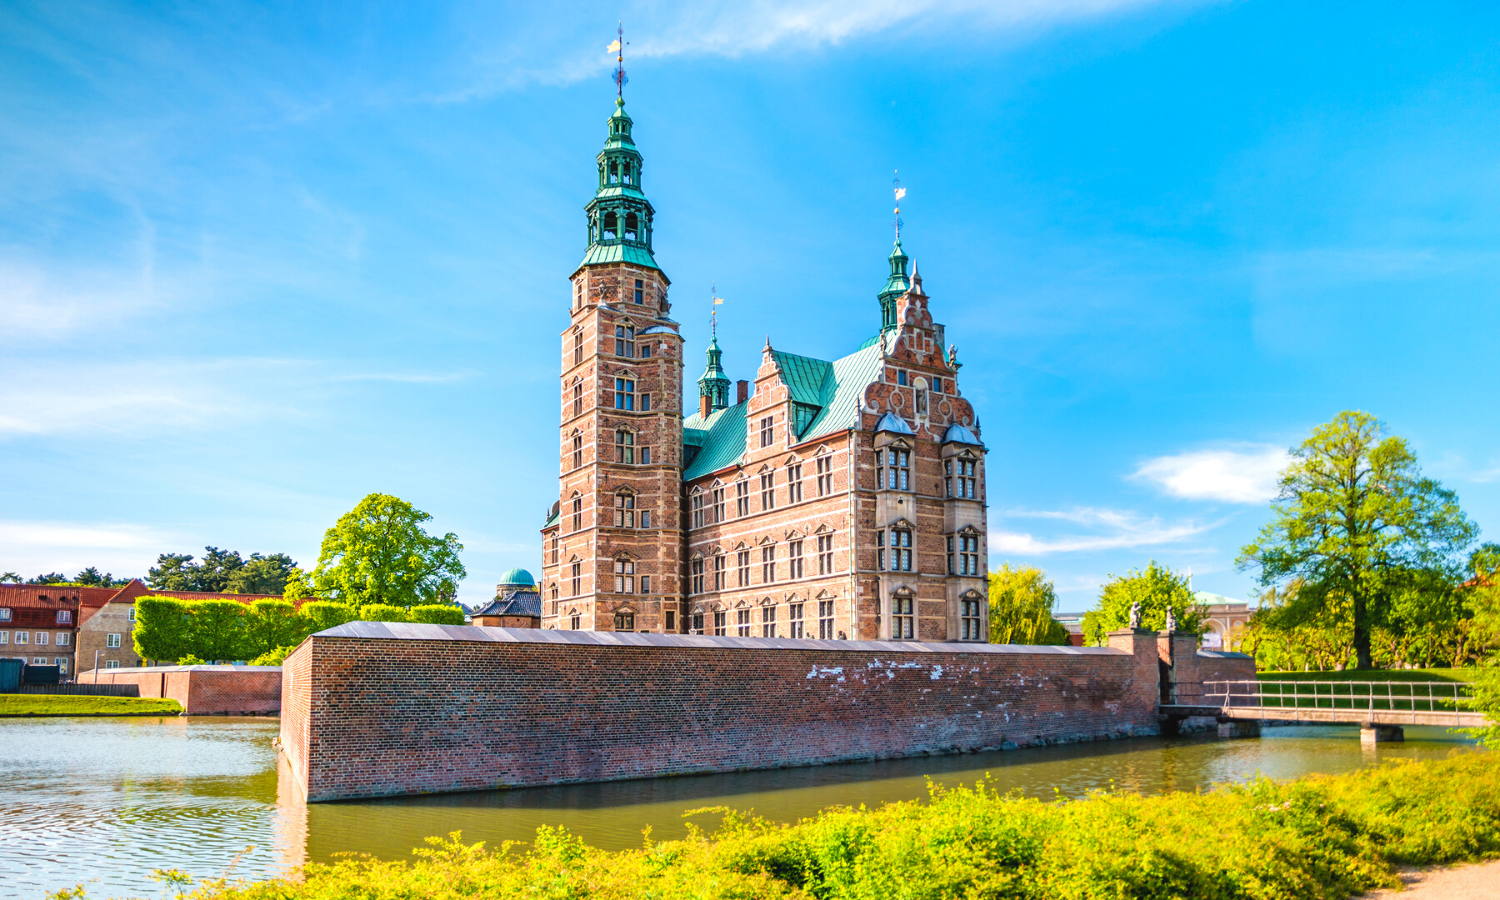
(49, 578)
(1360, 526)
(221, 572)
(90, 577)
(378, 553)
(1021, 605)
(1158, 589)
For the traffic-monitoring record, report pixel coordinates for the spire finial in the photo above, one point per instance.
(900, 192)
(618, 48)
(713, 315)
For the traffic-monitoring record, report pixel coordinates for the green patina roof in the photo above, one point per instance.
(620, 190)
(516, 577)
(618, 253)
(835, 390)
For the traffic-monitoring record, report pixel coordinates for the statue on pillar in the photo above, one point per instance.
(1135, 614)
(1171, 621)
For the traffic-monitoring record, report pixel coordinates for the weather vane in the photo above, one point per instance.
(900, 192)
(618, 48)
(713, 316)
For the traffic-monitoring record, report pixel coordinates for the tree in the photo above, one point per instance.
(270, 624)
(321, 615)
(438, 614)
(90, 577)
(383, 612)
(50, 578)
(379, 553)
(1021, 604)
(163, 628)
(1357, 522)
(1158, 589)
(218, 631)
(261, 575)
(10, 577)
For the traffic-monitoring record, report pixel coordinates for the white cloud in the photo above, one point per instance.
(1230, 476)
(37, 304)
(1105, 530)
(32, 548)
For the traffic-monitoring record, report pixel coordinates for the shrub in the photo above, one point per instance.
(437, 614)
(382, 612)
(273, 657)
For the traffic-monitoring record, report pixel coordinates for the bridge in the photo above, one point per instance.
(1380, 708)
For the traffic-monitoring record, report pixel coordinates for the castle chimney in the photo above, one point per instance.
(703, 406)
(741, 391)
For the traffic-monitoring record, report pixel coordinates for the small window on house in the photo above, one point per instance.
(62, 664)
(768, 490)
(794, 483)
(577, 346)
(63, 639)
(697, 510)
(671, 621)
(23, 637)
(640, 291)
(697, 626)
(825, 620)
(625, 393)
(719, 621)
(111, 641)
(742, 568)
(969, 618)
(901, 378)
(645, 515)
(4, 637)
(624, 510)
(719, 571)
(900, 549)
(130, 613)
(742, 498)
(645, 584)
(577, 450)
(624, 621)
(825, 554)
(825, 474)
(898, 470)
(625, 341)
(111, 664)
(41, 638)
(578, 294)
(742, 622)
(4, 614)
(645, 455)
(64, 616)
(768, 564)
(625, 447)
(554, 556)
(903, 620)
(718, 504)
(645, 402)
(697, 570)
(768, 621)
(577, 622)
(577, 397)
(767, 430)
(794, 620)
(794, 560)
(577, 574)
(577, 513)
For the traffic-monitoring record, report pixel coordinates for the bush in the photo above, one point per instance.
(1320, 837)
(382, 612)
(437, 614)
(273, 657)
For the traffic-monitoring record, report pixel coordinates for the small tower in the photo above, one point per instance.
(713, 385)
(897, 284)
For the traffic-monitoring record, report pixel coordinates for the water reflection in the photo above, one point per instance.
(109, 800)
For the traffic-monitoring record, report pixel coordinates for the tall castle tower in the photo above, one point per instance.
(612, 547)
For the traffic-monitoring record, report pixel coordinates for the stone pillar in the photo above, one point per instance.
(1371, 733)
(1178, 652)
(1145, 689)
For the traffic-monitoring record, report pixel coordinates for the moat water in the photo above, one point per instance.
(102, 802)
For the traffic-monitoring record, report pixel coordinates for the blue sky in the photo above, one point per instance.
(257, 261)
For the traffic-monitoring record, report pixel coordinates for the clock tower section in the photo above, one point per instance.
(611, 550)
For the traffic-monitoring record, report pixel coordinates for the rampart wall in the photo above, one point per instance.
(373, 709)
(202, 690)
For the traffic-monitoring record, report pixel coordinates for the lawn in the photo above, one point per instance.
(69, 705)
(1465, 675)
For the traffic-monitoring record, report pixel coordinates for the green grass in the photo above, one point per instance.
(1466, 675)
(69, 705)
(1320, 837)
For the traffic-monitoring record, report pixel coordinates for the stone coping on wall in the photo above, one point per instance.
(409, 631)
(205, 667)
(1223, 654)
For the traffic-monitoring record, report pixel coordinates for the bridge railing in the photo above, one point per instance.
(1375, 696)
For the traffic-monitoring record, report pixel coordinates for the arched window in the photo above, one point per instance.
(625, 172)
(920, 388)
(576, 620)
(632, 225)
(611, 226)
(614, 172)
(624, 510)
(625, 447)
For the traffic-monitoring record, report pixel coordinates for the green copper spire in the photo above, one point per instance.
(897, 284)
(620, 215)
(714, 384)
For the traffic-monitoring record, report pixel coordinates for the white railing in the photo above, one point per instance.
(1368, 696)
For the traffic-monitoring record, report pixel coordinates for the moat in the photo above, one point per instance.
(103, 802)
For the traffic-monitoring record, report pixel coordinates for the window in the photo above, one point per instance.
(969, 618)
(645, 456)
(794, 560)
(671, 621)
(577, 621)
(766, 430)
(719, 565)
(768, 491)
(111, 641)
(794, 483)
(554, 549)
(697, 570)
(645, 584)
(130, 613)
(624, 576)
(825, 474)
(794, 620)
(62, 664)
(4, 637)
(577, 579)
(645, 402)
(624, 510)
(768, 621)
(640, 286)
(742, 498)
(64, 616)
(625, 393)
(937, 385)
(825, 619)
(577, 513)
(577, 450)
(577, 294)
(111, 664)
(645, 515)
(22, 637)
(577, 397)
(577, 346)
(921, 396)
(900, 550)
(4, 614)
(897, 474)
(719, 618)
(625, 447)
(742, 568)
(966, 560)
(645, 348)
(554, 600)
(903, 621)
(41, 638)
(718, 504)
(624, 621)
(964, 484)
(698, 510)
(742, 622)
(901, 378)
(697, 623)
(768, 564)
(63, 639)
(825, 554)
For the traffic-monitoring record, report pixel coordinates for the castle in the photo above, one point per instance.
(835, 500)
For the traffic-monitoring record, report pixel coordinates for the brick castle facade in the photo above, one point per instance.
(839, 499)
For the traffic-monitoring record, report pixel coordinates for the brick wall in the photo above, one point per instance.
(374, 709)
(203, 690)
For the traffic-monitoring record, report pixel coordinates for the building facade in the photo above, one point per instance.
(840, 499)
(39, 624)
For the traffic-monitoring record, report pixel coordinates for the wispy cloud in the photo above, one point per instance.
(1102, 529)
(34, 547)
(1246, 475)
(38, 303)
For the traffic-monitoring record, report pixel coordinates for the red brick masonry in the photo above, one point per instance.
(372, 709)
(203, 690)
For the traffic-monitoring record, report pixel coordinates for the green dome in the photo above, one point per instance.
(517, 578)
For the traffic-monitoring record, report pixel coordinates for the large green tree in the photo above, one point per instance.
(1021, 604)
(270, 624)
(221, 572)
(163, 628)
(1157, 589)
(1356, 521)
(378, 553)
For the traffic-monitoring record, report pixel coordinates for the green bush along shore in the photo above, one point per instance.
(1319, 837)
(70, 705)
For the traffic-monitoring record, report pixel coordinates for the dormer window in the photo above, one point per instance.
(4, 614)
(961, 478)
(64, 617)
